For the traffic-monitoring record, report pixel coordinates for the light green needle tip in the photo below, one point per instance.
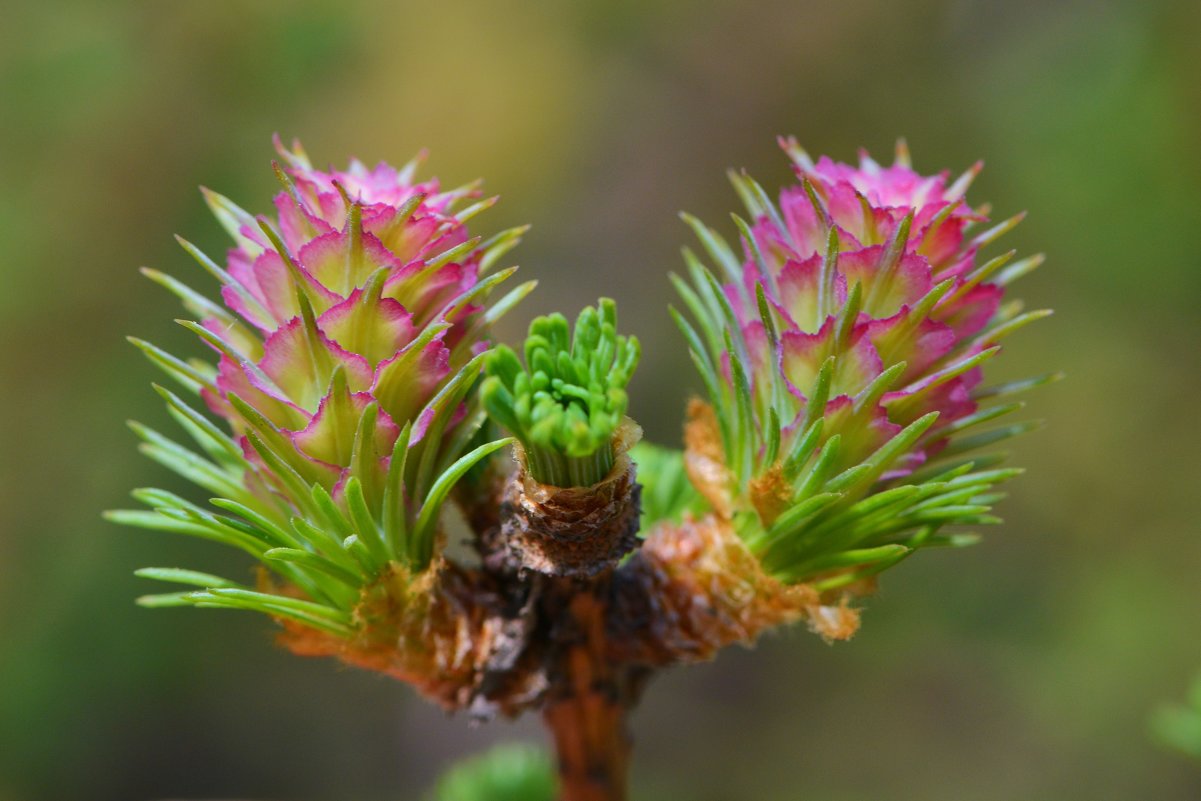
(565, 403)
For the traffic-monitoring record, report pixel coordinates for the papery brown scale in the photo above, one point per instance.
(439, 631)
(574, 531)
(771, 494)
(834, 622)
(695, 588)
(704, 457)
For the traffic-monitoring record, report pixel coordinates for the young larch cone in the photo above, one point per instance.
(842, 353)
(355, 326)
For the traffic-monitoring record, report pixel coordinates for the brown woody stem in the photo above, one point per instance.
(586, 711)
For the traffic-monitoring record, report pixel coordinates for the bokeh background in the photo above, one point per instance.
(1022, 669)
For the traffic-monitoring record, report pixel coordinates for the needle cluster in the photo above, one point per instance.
(566, 401)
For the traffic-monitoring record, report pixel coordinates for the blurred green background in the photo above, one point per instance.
(1022, 669)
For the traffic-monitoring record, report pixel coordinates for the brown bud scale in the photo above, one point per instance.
(695, 588)
(443, 631)
(574, 531)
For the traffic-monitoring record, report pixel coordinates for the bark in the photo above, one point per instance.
(590, 696)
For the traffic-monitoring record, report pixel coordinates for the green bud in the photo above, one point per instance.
(566, 402)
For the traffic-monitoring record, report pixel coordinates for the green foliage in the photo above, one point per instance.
(327, 549)
(667, 494)
(566, 401)
(511, 772)
(1179, 727)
